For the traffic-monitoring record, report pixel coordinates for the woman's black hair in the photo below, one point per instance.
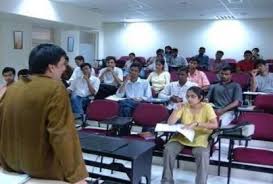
(198, 91)
(161, 61)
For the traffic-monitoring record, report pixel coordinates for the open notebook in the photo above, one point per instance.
(188, 133)
(13, 178)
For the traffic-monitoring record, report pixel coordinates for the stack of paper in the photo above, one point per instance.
(12, 178)
(114, 98)
(188, 133)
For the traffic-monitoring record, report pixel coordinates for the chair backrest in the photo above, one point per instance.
(174, 76)
(243, 79)
(124, 58)
(264, 102)
(120, 63)
(142, 60)
(211, 76)
(263, 124)
(269, 60)
(100, 110)
(230, 60)
(149, 115)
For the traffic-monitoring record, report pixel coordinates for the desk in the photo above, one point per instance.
(139, 153)
(157, 101)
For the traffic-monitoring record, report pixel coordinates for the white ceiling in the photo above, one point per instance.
(157, 10)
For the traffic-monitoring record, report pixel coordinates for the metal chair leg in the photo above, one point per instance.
(219, 158)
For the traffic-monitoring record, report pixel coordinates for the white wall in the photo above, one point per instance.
(233, 37)
(17, 58)
(52, 11)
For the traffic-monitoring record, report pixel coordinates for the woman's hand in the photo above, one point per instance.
(191, 126)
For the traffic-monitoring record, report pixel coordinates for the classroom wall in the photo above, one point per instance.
(233, 37)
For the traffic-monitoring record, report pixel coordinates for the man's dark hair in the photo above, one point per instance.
(66, 58)
(220, 52)
(257, 49)
(202, 48)
(23, 72)
(168, 47)
(137, 65)
(227, 68)
(174, 50)
(183, 69)
(81, 58)
(42, 56)
(85, 64)
(159, 51)
(259, 62)
(108, 58)
(247, 52)
(132, 54)
(8, 69)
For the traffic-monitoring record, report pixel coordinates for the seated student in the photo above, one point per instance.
(202, 58)
(246, 65)
(77, 73)
(263, 82)
(134, 89)
(68, 72)
(168, 54)
(201, 118)
(23, 74)
(255, 54)
(159, 78)
(8, 74)
(177, 60)
(38, 135)
(111, 77)
(151, 65)
(226, 96)
(126, 68)
(217, 65)
(196, 75)
(83, 89)
(175, 92)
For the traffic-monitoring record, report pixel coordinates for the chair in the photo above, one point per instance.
(269, 61)
(147, 115)
(125, 58)
(142, 60)
(211, 76)
(230, 60)
(243, 79)
(120, 63)
(264, 102)
(100, 110)
(243, 156)
(174, 76)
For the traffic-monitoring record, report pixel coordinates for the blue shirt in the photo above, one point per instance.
(203, 61)
(138, 89)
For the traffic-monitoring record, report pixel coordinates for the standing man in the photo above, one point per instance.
(8, 74)
(37, 131)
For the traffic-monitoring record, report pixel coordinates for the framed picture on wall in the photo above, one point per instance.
(70, 44)
(18, 39)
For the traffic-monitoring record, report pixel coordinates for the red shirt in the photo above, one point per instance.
(246, 65)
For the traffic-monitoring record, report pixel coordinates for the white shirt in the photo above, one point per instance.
(80, 88)
(159, 81)
(175, 89)
(153, 65)
(77, 73)
(138, 89)
(108, 78)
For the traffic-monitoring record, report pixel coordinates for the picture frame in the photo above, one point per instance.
(18, 39)
(70, 44)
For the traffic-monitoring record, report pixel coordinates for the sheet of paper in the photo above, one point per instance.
(254, 93)
(114, 98)
(188, 133)
(13, 178)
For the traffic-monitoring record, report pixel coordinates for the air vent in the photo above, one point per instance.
(235, 1)
(225, 17)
